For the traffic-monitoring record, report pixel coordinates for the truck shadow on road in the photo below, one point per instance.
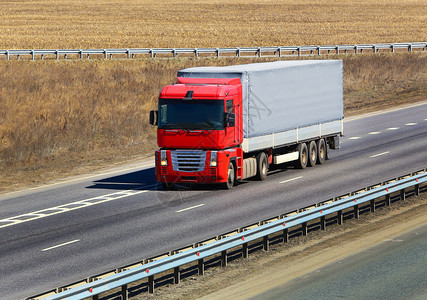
(129, 181)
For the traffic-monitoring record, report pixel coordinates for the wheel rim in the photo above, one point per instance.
(304, 157)
(230, 174)
(264, 168)
(312, 154)
(322, 150)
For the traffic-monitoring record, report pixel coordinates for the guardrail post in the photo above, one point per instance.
(372, 204)
(196, 53)
(387, 200)
(176, 275)
(322, 223)
(201, 266)
(304, 229)
(174, 52)
(280, 52)
(392, 48)
(124, 292)
(338, 49)
(410, 48)
(355, 49)
(65, 56)
(259, 52)
(151, 53)
(224, 258)
(417, 190)
(375, 49)
(128, 53)
(318, 50)
(238, 52)
(7, 54)
(402, 195)
(19, 57)
(105, 54)
(265, 243)
(356, 212)
(285, 235)
(340, 217)
(245, 252)
(299, 51)
(95, 297)
(151, 284)
(32, 54)
(217, 52)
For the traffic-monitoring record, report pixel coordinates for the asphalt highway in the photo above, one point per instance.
(394, 269)
(58, 234)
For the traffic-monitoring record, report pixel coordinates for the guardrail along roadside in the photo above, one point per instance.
(279, 51)
(240, 241)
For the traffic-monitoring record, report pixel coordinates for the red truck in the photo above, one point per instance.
(225, 124)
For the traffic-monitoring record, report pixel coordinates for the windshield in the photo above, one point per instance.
(191, 114)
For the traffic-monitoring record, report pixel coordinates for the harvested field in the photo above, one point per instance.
(80, 24)
(68, 117)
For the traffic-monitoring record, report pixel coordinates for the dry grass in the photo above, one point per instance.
(56, 117)
(207, 23)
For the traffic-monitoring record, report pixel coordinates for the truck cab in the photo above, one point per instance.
(199, 124)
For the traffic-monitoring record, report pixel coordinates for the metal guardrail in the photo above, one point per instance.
(240, 238)
(218, 52)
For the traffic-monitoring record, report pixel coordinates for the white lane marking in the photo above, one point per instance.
(292, 179)
(188, 208)
(57, 246)
(47, 212)
(393, 128)
(374, 132)
(355, 138)
(79, 179)
(380, 154)
(411, 124)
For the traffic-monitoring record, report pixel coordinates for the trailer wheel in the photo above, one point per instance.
(231, 177)
(302, 156)
(312, 154)
(262, 166)
(321, 151)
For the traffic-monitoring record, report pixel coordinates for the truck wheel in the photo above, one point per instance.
(167, 185)
(321, 151)
(262, 166)
(302, 156)
(312, 154)
(231, 178)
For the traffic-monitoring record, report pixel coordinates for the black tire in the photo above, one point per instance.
(302, 156)
(312, 154)
(167, 185)
(262, 166)
(321, 151)
(231, 177)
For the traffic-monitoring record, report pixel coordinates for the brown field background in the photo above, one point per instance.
(61, 118)
(59, 24)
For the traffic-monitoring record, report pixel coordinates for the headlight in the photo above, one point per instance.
(213, 162)
(163, 158)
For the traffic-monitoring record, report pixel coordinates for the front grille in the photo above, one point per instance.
(188, 160)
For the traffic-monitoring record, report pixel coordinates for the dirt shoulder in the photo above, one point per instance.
(262, 271)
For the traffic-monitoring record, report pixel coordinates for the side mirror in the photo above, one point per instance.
(230, 119)
(154, 117)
